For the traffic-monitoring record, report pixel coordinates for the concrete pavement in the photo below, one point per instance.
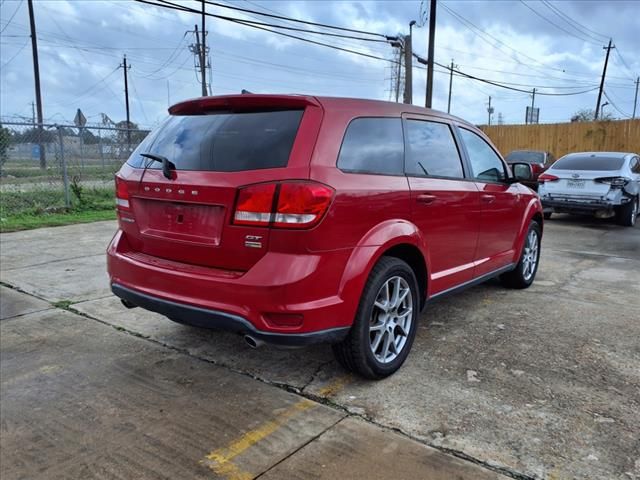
(541, 383)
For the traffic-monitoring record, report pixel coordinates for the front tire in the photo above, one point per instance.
(525, 272)
(385, 324)
(628, 213)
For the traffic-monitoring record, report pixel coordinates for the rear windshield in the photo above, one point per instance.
(589, 163)
(526, 157)
(223, 142)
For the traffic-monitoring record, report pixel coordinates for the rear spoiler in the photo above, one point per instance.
(246, 102)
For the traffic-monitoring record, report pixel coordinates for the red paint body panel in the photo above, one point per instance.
(177, 245)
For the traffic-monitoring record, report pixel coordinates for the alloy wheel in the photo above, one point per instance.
(391, 318)
(530, 257)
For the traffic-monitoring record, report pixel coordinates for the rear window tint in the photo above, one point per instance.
(373, 145)
(223, 142)
(576, 162)
(526, 157)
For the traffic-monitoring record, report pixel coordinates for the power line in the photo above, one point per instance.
(290, 19)
(166, 4)
(612, 103)
(504, 84)
(13, 15)
(573, 22)
(556, 25)
(16, 54)
(624, 62)
(169, 59)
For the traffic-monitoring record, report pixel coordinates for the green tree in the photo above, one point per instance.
(588, 115)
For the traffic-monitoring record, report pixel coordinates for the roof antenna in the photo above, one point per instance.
(245, 92)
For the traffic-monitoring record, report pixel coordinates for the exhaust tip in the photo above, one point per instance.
(253, 342)
(127, 303)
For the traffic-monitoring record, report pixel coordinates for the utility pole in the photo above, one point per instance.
(199, 51)
(635, 100)
(408, 70)
(124, 66)
(398, 73)
(529, 119)
(489, 111)
(450, 85)
(203, 53)
(604, 72)
(33, 114)
(36, 77)
(432, 37)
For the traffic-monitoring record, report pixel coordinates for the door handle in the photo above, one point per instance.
(426, 198)
(488, 198)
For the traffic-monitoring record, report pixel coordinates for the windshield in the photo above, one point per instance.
(223, 142)
(525, 156)
(578, 162)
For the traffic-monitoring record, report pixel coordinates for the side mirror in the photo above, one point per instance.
(522, 171)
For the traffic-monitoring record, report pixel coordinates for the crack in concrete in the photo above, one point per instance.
(300, 448)
(503, 470)
(52, 261)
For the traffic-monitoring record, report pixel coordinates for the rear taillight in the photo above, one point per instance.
(255, 204)
(282, 204)
(546, 177)
(122, 193)
(617, 182)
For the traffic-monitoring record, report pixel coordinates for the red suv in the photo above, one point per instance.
(296, 220)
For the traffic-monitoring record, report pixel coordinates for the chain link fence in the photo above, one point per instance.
(52, 168)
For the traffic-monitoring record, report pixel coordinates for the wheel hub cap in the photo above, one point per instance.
(391, 319)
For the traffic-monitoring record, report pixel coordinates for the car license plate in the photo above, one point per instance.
(575, 183)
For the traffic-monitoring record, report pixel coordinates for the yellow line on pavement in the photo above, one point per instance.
(220, 460)
(334, 387)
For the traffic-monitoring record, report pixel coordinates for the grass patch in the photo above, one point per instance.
(46, 208)
(63, 304)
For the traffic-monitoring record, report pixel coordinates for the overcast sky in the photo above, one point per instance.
(555, 46)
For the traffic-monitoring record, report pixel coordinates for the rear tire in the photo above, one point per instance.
(547, 215)
(525, 272)
(385, 324)
(628, 213)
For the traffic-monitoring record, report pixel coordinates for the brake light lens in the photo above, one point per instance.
(613, 181)
(122, 193)
(255, 204)
(301, 205)
(295, 205)
(546, 177)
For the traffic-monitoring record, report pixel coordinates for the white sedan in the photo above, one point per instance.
(603, 184)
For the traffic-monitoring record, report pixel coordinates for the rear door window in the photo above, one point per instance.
(584, 162)
(431, 150)
(486, 165)
(224, 142)
(373, 145)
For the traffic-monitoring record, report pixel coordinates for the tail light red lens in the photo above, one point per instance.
(122, 193)
(255, 204)
(546, 177)
(283, 205)
(301, 205)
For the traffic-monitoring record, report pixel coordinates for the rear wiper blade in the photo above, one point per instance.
(167, 165)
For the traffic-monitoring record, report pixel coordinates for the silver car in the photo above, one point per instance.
(603, 184)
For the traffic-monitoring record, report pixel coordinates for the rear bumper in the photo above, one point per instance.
(583, 205)
(201, 317)
(301, 287)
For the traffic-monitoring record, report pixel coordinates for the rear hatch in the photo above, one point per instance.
(589, 177)
(217, 145)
